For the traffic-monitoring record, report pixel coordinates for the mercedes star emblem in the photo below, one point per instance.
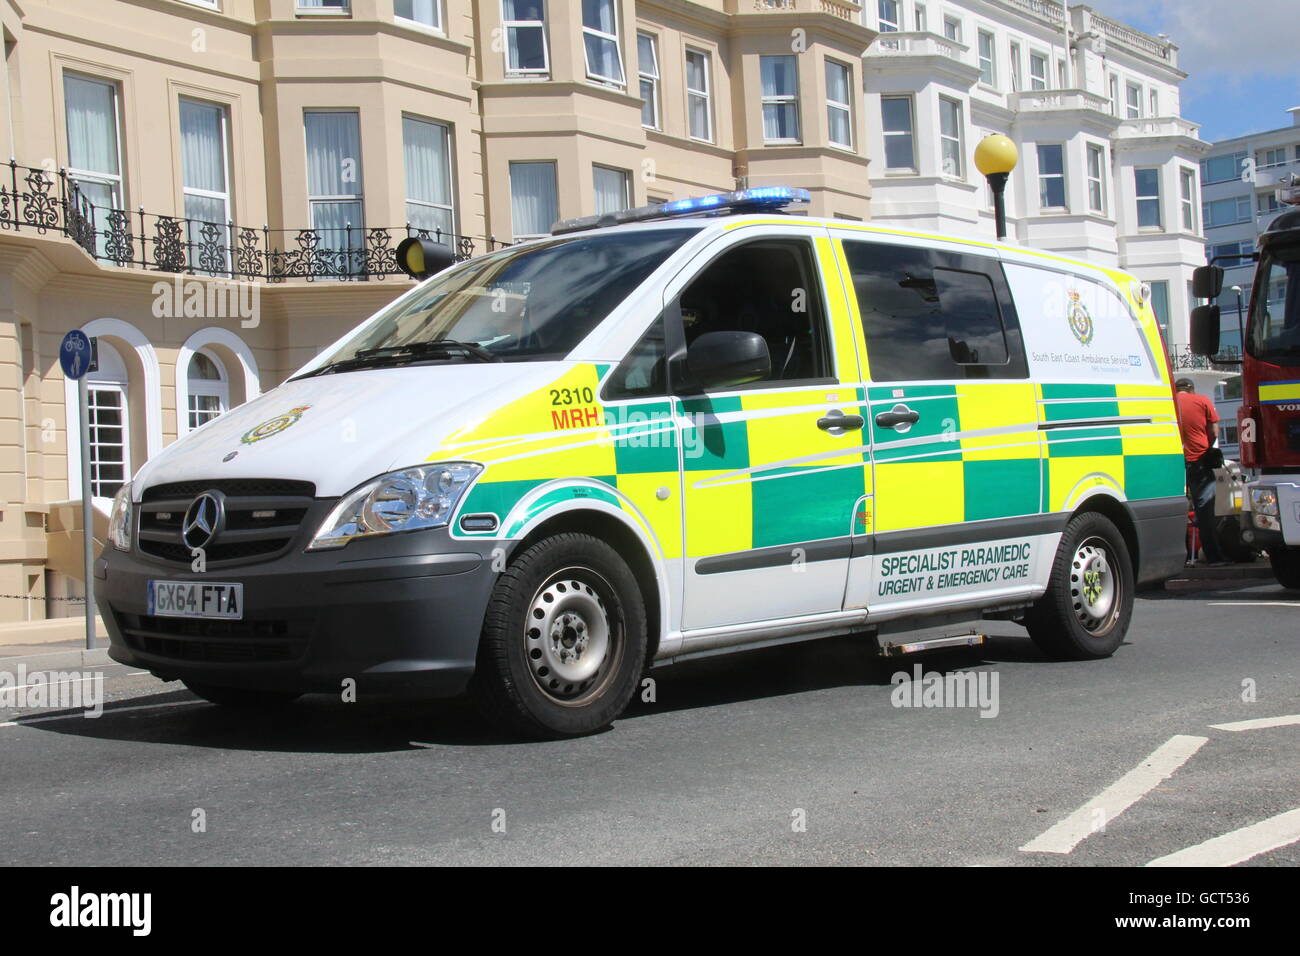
(202, 520)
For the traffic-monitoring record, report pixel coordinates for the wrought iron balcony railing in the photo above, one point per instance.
(52, 202)
(1184, 359)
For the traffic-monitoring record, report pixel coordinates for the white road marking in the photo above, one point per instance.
(1118, 797)
(1239, 845)
(1259, 723)
(107, 712)
(56, 683)
(1253, 603)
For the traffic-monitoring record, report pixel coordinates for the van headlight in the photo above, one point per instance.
(1263, 501)
(408, 500)
(119, 519)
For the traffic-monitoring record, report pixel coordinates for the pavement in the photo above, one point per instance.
(1187, 741)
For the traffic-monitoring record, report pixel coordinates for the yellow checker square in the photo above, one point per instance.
(664, 516)
(1070, 478)
(917, 494)
(1151, 439)
(1001, 406)
(774, 439)
(561, 456)
(722, 516)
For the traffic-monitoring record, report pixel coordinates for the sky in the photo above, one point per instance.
(1242, 57)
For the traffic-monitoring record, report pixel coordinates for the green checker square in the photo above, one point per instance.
(805, 505)
(717, 446)
(496, 497)
(1154, 476)
(940, 418)
(1002, 489)
(649, 442)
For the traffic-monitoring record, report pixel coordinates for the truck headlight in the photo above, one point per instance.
(1264, 501)
(119, 519)
(408, 500)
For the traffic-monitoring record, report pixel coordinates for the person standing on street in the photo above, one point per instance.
(1199, 424)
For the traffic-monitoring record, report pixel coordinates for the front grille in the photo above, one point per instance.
(263, 516)
(220, 642)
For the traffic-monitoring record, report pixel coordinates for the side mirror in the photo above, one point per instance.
(1205, 328)
(421, 258)
(720, 359)
(1207, 282)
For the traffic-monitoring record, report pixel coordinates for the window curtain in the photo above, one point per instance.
(533, 203)
(780, 120)
(333, 154)
(421, 11)
(428, 174)
(611, 190)
(92, 125)
(203, 162)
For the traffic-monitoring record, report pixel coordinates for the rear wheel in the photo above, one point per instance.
(1085, 612)
(564, 640)
(1286, 567)
(237, 698)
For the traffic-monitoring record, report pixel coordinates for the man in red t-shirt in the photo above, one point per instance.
(1198, 423)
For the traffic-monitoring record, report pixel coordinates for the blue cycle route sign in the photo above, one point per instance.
(74, 354)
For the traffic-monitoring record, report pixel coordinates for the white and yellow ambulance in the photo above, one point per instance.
(676, 431)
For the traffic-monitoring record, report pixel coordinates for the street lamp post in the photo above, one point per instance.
(995, 157)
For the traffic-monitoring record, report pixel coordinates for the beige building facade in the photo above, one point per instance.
(212, 189)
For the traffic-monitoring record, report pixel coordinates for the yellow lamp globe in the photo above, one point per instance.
(995, 154)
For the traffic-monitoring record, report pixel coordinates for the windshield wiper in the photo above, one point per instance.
(396, 355)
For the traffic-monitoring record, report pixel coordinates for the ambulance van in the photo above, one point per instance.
(671, 432)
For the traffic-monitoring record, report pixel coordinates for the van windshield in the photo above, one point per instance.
(1274, 334)
(528, 304)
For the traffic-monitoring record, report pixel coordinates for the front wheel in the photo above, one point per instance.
(564, 640)
(1085, 611)
(1286, 567)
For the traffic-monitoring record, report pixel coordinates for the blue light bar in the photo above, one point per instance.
(757, 199)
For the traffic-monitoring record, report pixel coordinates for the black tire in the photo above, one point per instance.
(238, 698)
(563, 598)
(1228, 531)
(1286, 567)
(1085, 612)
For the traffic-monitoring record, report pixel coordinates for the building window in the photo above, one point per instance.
(525, 26)
(323, 4)
(1221, 169)
(1096, 178)
(988, 67)
(887, 15)
(204, 177)
(919, 19)
(1017, 80)
(839, 104)
(534, 205)
(699, 109)
(1268, 203)
(600, 41)
(1187, 197)
(424, 12)
(647, 56)
(1147, 183)
(334, 192)
(1153, 102)
(1270, 157)
(612, 192)
(209, 389)
(950, 137)
(952, 29)
(1037, 71)
(1225, 212)
(426, 148)
(1134, 102)
(1160, 305)
(109, 420)
(780, 92)
(1051, 176)
(896, 121)
(94, 157)
(1114, 95)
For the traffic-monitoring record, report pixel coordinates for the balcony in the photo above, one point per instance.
(842, 9)
(1043, 101)
(899, 44)
(1158, 126)
(1185, 360)
(1270, 176)
(44, 203)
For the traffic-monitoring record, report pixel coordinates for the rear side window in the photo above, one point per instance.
(933, 315)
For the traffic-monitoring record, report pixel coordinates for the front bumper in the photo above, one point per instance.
(396, 612)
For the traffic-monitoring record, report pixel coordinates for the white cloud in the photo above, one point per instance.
(1240, 38)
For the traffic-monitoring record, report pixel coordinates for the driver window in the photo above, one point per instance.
(769, 287)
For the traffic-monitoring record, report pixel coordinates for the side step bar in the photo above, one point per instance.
(912, 647)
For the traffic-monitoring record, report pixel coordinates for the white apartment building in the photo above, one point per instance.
(1239, 180)
(1108, 169)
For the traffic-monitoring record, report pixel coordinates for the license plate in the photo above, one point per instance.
(196, 599)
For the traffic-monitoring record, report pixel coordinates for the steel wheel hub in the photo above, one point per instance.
(567, 637)
(1093, 587)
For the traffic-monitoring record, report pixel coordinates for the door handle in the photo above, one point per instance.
(898, 415)
(837, 422)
